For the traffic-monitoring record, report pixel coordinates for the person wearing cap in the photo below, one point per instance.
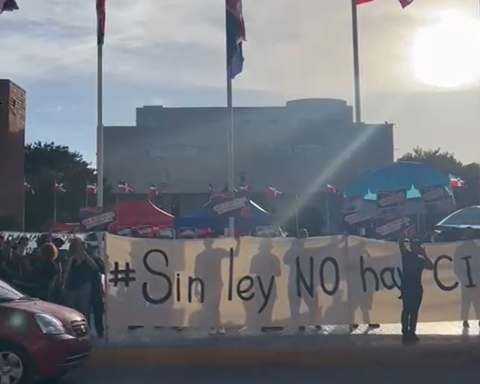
(414, 261)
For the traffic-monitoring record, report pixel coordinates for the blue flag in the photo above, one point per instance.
(235, 37)
(8, 6)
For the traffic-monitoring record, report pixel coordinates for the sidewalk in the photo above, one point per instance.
(442, 344)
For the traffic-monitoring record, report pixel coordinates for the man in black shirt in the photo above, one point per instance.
(414, 261)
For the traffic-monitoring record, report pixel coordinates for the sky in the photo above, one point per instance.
(420, 67)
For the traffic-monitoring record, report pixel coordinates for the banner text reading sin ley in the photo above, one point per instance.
(366, 274)
(388, 278)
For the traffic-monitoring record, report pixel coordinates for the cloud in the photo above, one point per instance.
(291, 48)
(174, 51)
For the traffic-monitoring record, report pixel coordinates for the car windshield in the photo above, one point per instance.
(8, 293)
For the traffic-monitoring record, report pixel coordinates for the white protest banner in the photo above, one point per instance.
(280, 282)
(451, 290)
(210, 282)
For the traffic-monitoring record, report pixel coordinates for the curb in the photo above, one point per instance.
(390, 356)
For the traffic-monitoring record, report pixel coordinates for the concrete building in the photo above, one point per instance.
(297, 148)
(12, 154)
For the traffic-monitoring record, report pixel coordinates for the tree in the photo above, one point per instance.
(446, 162)
(45, 163)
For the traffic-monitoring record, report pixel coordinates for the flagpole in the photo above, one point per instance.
(24, 214)
(297, 229)
(327, 213)
(117, 198)
(55, 203)
(356, 64)
(230, 130)
(100, 174)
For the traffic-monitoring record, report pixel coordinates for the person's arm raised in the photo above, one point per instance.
(428, 262)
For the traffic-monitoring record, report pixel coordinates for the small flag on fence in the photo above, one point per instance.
(456, 182)
(59, 188)
(153, 190)
(91, 189)
(273, 192)
(28, 188)
(123, 188)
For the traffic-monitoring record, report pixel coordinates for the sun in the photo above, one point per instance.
(447, 53)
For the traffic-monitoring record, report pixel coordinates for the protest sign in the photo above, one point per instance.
(280, 282)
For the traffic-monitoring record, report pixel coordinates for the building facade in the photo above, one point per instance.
(297, 148)
(12, 154)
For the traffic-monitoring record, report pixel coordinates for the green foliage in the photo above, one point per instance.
(45, 162)
(446, 162)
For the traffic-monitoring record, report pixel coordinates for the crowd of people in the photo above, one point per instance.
(66, 274)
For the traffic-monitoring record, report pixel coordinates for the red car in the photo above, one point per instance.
(38, 340)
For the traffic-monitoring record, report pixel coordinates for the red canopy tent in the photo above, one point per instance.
(131, 214)
(144, 216)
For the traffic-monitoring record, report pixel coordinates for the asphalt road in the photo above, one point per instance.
(280, 375)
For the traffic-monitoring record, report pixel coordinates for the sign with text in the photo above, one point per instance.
(391, 199)
(279, 282)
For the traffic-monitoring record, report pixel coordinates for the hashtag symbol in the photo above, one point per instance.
(122, 276)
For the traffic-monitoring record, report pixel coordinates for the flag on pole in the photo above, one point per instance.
(211, 190)
(123, 188)
(236, 35)
(272, 193)
(101, 21)
(245, 189)
(153, 191)
(59, 188)
(403, 3)
(332, 190)
(28, 188)
(8, 6)
(456, 182)
(91, 189)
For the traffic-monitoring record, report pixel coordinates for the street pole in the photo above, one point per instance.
(100, 165)
(55, 204)
(356, 64)
(230, 132)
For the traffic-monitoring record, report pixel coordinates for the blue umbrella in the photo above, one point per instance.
(463, 218)
(402, 175)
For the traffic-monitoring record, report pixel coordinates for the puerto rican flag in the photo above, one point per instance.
(124, 188)
(8, 6)
(456, 182)
(273, 192)
(91, 189)
(59, 188)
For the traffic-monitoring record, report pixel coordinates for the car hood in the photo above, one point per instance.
(64, 314)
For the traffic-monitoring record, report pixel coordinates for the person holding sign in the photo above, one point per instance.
(414, 261)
